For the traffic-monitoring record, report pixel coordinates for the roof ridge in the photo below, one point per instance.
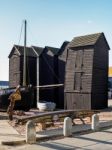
(37, 50)
(89, 39)
(98, 33)
(36, 46)
(52, 47)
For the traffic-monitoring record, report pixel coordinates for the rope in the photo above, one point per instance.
(52, 71)
(28, 70)
(45, 59)
(31, 33)
(20, 33)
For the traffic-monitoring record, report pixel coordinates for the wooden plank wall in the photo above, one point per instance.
(77, 100)
(100, 75)
(78, 78)
(14, 71)
(87, 74)
(87, 67)
(70, 70)
(61, 76)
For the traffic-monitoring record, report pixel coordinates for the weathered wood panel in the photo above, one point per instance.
(14, 71)
(86, 76)
(69, 72)
(78, 101)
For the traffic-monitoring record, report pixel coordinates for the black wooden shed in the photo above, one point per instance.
(46, 72)
(62, 55)
(16, 66)
(16, 58)
(42, 69)
(86, 76)
(49, 74)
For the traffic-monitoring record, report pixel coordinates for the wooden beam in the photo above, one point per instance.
(49, 86)
(61, 114)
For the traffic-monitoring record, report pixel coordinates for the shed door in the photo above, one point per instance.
(77, 81)
(70, 68)
(78, 71)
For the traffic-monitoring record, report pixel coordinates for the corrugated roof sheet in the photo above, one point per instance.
(85, 40)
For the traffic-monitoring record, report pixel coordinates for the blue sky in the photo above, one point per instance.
(50, 22)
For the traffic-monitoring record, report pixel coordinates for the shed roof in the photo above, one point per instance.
(53, 50)
(29, 51)
(63, 47)
(38, 50)
(87, 40)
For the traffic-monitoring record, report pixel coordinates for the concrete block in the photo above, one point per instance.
(67, 127)
(95, 122)
(30, 132)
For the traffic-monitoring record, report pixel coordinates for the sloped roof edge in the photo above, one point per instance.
(86, 40)
(53, 50)
(37, 50)
(20, 50)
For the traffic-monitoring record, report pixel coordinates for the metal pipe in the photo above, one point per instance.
(24, 63)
